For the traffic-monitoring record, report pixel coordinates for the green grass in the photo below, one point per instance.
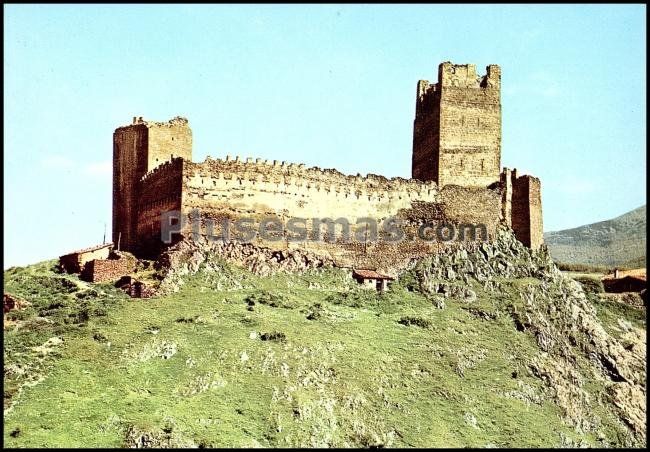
(609, 312)
(347, 367)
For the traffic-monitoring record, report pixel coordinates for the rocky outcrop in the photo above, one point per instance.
(188, 256)
(11, 302)
(556, 311)
(506, 257)
(156, 438)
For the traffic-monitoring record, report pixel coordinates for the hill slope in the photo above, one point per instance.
(617, 242)
(475, 348)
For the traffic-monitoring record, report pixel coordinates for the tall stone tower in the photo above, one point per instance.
(137, 149)
(457, 127)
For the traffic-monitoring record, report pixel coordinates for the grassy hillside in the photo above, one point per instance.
(233, 359)
(617, 242)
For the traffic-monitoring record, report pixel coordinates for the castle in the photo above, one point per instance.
(456, 178)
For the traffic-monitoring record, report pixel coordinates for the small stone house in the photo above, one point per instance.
(74, 262)
(370, 279)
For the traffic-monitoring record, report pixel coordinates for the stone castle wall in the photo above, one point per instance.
(536, 222)
(290, 190)
(169, 140)
(235, 189)
(258, 189)
(129, 165)
(426, 132)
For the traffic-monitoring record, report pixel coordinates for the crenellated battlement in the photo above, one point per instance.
(138, 121)
(297, 174)
(455, 76)
(465, 76)
(168, 167)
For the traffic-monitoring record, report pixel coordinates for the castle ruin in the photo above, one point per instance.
(456, 178)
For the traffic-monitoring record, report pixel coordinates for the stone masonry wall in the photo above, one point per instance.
(129, 165)
(506, 199)
(168, 140)
(159, 191)
(457, 129)
(138, 148)
(235, 188)
(74, 262)
(256, 189)
(426, 132)
(527, 210)
(100, 270)
(535, 212)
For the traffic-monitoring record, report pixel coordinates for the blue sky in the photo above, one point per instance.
(326, 85)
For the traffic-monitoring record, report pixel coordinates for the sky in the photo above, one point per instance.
(326, 85)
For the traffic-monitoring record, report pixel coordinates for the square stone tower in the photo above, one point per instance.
(137, 149)
(457, 127)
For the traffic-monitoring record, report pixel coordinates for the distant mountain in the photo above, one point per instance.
(617, 242)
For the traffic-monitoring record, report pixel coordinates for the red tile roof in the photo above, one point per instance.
(638, 273)
(371, 274)
(88, 250)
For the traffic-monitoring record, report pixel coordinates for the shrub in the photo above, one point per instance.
(408, 281)
(417, 321)
(186, 319)
(274, 336)
(315, 312)
(355, 299)
(19, 315)
(99, 336)
(249, 321)
(274, 300)
(582, 268)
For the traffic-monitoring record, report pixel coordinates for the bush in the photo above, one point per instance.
(87, 294)
(19, 315)
(249, 321)
(583, 268)
(99, 336)
(270, 299)
(274, 336)
(355, 299)
(417, 321)
(187, 319)
(408, 281)
(315, 312)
